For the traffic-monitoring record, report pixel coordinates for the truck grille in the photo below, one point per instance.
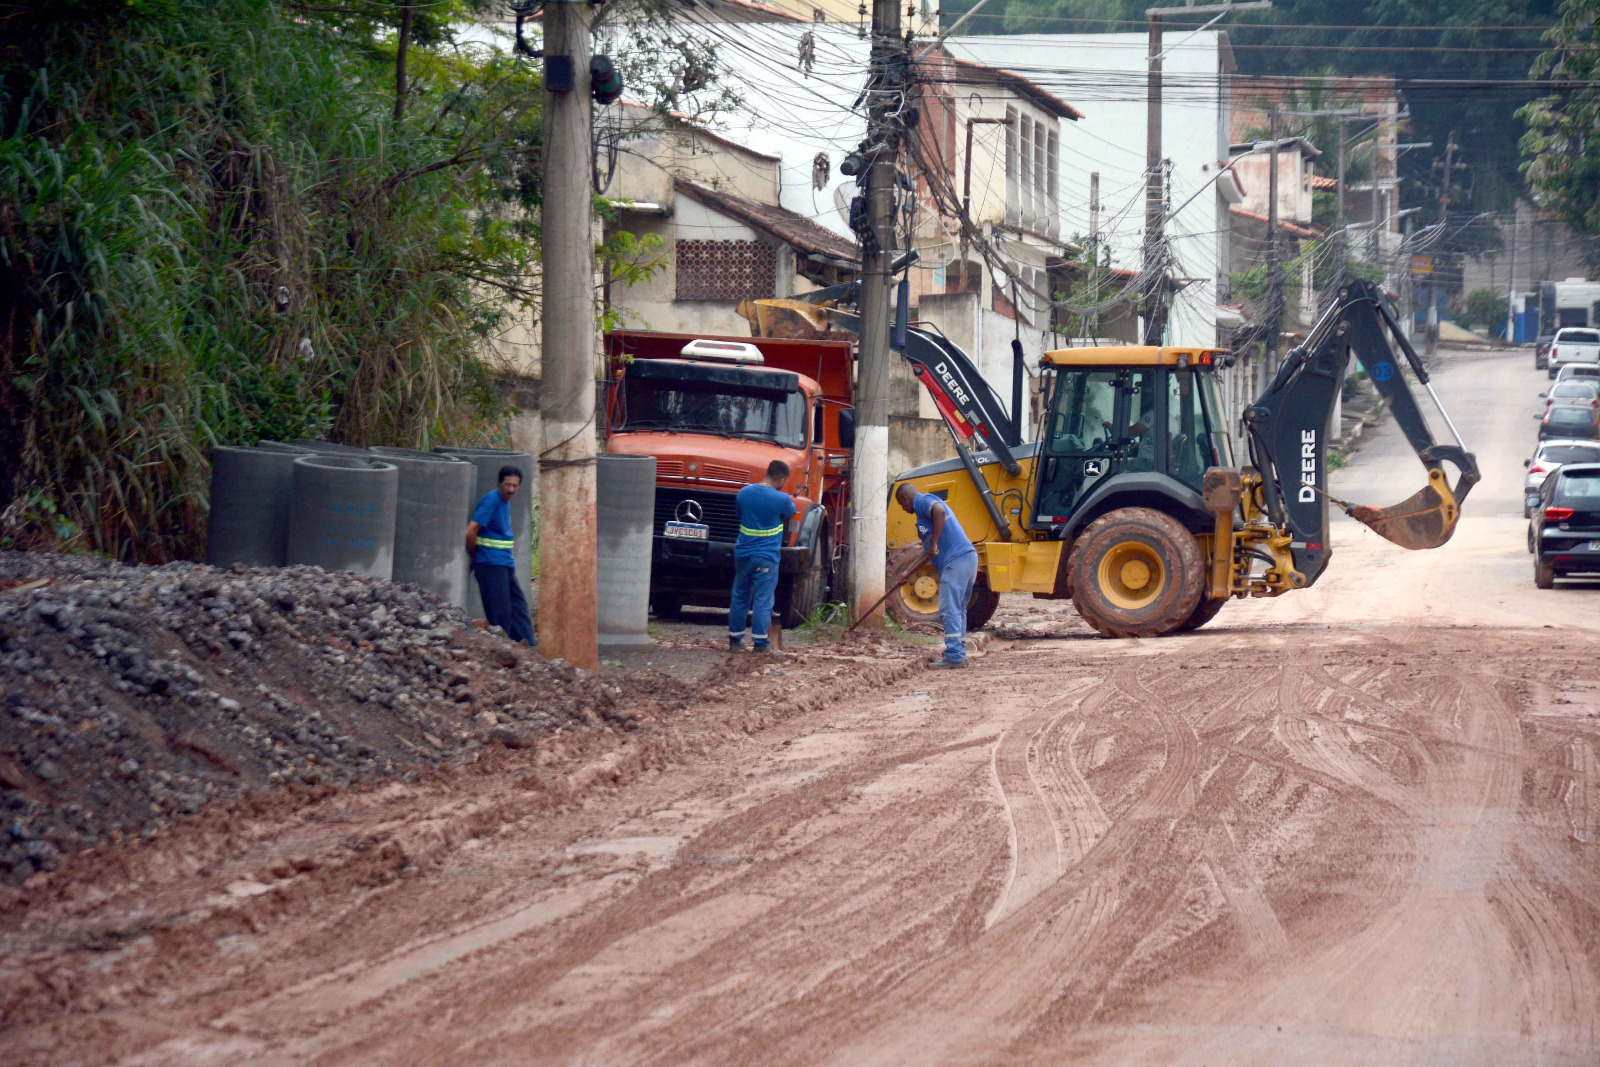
(721, 514)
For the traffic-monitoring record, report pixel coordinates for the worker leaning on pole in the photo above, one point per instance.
(763, 509)
(489, 545)
(947, 545)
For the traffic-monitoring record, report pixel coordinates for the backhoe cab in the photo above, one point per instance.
(1131, 503)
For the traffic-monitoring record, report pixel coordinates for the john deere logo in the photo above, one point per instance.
(689, 511)
(1092, 468)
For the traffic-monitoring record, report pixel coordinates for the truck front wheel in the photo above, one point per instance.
(915, 605)
(1136, 572)
(807, 589)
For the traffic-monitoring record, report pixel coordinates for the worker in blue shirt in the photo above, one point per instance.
(763, 509)
(489, 545)
(947, 545)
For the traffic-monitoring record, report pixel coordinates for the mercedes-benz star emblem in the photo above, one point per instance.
(689, 511)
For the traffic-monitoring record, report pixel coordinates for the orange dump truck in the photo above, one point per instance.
(714, 411)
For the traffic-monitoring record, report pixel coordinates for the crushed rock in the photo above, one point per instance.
(134, 695)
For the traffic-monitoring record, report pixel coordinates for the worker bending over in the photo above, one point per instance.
(947, 545)
(763, 509)
(489, 545)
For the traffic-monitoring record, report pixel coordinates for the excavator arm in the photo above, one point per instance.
(1288, 427)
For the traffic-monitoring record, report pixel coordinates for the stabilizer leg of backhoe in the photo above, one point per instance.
(1424, 520)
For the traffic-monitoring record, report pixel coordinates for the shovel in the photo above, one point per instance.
(902, 580)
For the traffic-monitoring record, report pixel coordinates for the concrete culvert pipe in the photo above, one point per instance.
(430, 521)
(283, 446)
(341, 515)
(328, 448)
(250, 491)
(625, 507)
(488, 462)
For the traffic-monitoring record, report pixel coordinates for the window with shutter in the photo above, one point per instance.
(725, 270)
(1052, 185)
(1013, 208)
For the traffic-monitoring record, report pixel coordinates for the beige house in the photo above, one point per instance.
(724, 238)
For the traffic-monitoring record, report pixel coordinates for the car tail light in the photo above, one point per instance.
(1557, 514)
(1537, 468)
(1555, 353)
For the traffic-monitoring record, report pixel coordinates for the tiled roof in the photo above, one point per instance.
(1023, 87)
(1319, 182)
(797, 231)
(1314, 231)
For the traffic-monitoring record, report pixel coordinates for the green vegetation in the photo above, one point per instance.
(1561, 144)
(1486, 308)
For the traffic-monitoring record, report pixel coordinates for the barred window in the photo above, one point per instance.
(726, 270)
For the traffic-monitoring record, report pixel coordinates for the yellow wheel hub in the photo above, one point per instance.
(921, 593)
(1131, 575)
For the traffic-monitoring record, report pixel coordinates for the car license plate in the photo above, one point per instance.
(689, 531)
(1592, 546)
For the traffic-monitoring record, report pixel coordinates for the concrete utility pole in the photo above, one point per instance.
(1343, 251)
(1511, 283)
(870, 484)
(1158, 289)
(1155, 318)
(1274, 281)
(568, 597)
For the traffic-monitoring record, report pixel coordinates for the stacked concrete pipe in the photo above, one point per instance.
(341, 514)
(625, 507)
(488, 462)
(250, 493)
(430, 521)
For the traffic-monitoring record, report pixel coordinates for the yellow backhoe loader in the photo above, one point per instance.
(1131, 501)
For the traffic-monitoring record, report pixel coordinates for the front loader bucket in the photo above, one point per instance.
(1424, 520)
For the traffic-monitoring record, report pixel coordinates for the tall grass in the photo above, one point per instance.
(213, 230)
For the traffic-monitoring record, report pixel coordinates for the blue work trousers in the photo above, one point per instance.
(503, 603)
(755, 583)
(955, 589)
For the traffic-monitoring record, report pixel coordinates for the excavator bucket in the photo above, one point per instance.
(796, 319)
(1423, 520)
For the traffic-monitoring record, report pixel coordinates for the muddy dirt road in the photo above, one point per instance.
(1357, 826)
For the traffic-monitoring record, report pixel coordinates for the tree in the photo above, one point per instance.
(1562, 144)
(1486, 308)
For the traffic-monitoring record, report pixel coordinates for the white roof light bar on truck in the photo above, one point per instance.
(722, 351)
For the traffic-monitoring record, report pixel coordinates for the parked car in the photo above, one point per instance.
(1570, 420)
(1573, 391)
(1541, 351)
(1573, 344)
(1566, 528)
(1588, 372)
(1546, 458)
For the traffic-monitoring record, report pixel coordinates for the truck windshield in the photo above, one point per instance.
(728, 411)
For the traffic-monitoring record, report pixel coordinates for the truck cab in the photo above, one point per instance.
(714, 412)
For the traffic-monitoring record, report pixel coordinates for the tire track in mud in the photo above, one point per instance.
(1041, 823)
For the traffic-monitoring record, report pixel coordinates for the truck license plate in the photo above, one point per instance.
(689, 531)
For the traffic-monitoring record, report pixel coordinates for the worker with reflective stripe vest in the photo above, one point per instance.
(489, 544)
(763, 509)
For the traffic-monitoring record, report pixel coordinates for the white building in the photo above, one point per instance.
(1103, 75)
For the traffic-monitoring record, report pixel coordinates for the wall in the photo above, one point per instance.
(1294, 186)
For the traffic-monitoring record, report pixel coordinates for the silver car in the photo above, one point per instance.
(1551, 454)
(1588, 372)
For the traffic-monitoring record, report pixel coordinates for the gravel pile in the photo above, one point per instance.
(134, 695)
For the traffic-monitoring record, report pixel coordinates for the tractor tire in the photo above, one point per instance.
(807, 590)
(1203, 613)
(915, 605)
(1136, 572)
(1544, 575)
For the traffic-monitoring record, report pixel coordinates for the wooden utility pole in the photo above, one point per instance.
(568, 597)
(869, 494)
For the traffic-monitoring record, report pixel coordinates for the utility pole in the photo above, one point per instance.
(1158, 288)
(870, 484)
(1511, 282)
(1274, 282)
(568, 597)
(1343, 252)
(1155, 319)
(1444, 216)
